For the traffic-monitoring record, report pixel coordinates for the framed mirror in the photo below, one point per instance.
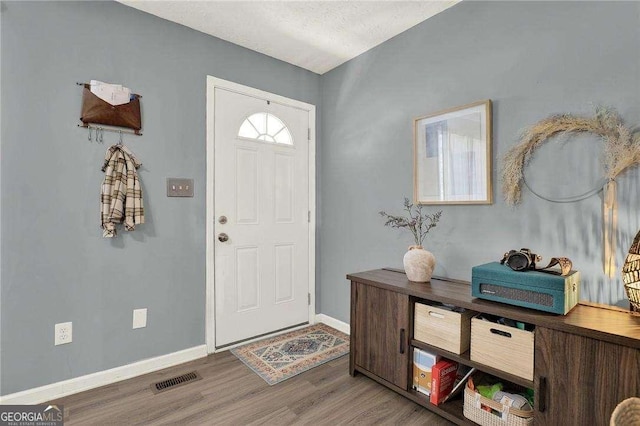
(452, 156)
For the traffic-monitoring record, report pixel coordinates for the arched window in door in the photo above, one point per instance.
(264, 126)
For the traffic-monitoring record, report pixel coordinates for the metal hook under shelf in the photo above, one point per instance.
(107, 129)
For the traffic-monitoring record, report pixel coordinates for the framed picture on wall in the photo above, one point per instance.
(452, 156)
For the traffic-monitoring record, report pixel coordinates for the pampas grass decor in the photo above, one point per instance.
(621, 150)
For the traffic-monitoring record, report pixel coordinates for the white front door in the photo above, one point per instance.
(261, 214)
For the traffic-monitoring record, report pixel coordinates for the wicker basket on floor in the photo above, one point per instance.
(510, 417)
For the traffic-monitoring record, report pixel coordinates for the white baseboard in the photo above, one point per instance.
(90, 381)
(102, 378)
(332, 322)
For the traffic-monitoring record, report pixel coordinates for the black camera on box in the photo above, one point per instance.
(521, 260)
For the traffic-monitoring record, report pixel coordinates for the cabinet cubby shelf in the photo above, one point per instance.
(466, 360)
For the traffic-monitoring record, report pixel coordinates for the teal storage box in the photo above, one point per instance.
(530, 289)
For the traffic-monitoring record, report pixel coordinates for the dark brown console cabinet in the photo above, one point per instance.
(382, 320)
(585, 362)
(585, 377)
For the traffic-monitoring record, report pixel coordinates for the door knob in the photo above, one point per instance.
(222, 237)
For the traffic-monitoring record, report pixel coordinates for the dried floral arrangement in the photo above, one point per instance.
(621, 150)
(418, 222)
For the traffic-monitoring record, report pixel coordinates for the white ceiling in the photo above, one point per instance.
(316, 35)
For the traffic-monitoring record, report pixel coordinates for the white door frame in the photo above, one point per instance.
(212, 84)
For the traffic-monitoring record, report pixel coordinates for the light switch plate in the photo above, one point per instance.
(179, 187)
(139, 318)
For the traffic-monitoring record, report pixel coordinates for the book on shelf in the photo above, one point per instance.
(443, 377)
(423, 363)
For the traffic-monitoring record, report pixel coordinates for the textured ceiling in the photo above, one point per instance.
(316, 35)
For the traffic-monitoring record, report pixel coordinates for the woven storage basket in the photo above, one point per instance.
(626, 413)
(631, 274)
(512, 417)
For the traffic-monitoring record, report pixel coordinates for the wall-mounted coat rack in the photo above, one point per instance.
(100, 129)
(96, 111)
(99, 132)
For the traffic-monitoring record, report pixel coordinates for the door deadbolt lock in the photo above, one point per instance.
(222, 237)
(222, 220)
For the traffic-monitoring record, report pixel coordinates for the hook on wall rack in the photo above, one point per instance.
(107, 129)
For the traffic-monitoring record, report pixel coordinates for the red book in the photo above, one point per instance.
(443, 376)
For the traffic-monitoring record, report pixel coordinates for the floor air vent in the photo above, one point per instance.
(174, 382)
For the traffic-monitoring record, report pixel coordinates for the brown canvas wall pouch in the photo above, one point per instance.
(96, 111)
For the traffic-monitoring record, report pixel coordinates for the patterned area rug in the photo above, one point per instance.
(278, 358)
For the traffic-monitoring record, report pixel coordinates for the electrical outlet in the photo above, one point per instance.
(139, 318)
(63, 333)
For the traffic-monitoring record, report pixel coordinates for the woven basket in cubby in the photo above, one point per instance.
(509, 416)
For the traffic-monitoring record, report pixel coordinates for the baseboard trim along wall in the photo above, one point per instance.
(332, 322)
(102, 378)
(90, 381)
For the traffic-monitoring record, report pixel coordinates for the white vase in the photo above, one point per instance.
(419, 264)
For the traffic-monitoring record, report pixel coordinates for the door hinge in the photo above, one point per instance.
(309, 217)
(309, 134)
(309, 299)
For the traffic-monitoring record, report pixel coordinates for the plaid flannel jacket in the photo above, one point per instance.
(121, 197)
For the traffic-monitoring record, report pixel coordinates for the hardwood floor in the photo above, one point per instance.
(230, 393)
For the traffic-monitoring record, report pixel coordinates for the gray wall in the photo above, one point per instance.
(56, 266)
(531, 59)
